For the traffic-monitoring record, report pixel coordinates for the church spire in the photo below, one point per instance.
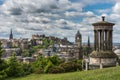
(11, 35)
(88, 42)
(88, 47)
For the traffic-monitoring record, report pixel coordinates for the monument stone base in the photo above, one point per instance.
(102, 58)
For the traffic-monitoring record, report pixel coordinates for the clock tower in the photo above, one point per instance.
(78, 39)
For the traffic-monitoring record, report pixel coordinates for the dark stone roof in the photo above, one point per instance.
(78, 34)
(103, 22)
(103, 54)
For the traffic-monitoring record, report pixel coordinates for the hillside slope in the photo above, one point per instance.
(104, 74)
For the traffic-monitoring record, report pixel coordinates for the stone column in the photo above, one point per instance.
(102, 47)
(100, 39)
(111, 40)
(108, 40)
(95, 33)
(105, 40)
(97, 40)
(86, 64)
(117, 64)
(101, 65)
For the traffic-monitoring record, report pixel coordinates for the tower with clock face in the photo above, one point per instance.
(78, 39)
(78, 46)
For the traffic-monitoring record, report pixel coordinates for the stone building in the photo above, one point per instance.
(78, 45)
(9, 51)
(73, 50)
(38, 39)
(78, 39)
(24, 43)
(103, 56)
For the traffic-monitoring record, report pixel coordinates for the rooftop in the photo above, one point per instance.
(103, 22)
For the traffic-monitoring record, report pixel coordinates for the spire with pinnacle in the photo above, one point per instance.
(88, 42)
(88, 47)
(11, 35)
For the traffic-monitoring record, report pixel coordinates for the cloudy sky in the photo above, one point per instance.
(60, 18)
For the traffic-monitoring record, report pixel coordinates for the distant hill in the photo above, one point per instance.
(116, 44)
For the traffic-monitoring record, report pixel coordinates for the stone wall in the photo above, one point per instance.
(104, 61)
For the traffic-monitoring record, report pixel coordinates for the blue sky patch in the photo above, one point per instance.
(98, 6)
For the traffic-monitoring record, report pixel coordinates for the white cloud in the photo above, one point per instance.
(50, 17)
(116, 8)
(104, 10)
(37, 16)
(79, 14)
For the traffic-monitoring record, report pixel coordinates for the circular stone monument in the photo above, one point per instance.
(102, 54)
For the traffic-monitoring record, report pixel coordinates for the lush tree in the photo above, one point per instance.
(48, 66)
(3, 66)
(34, 49)
(85, 51)
(41, 62)
(27, 68)
(55, 60)
(46, 63)
(15, 68)
(47, 43)
(3, 75)
(25, 53)
(51, 42)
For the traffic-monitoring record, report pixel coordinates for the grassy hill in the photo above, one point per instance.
(104, 74)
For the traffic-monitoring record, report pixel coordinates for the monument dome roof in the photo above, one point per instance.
(103, 22)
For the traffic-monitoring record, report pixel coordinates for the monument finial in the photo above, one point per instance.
(103, 18)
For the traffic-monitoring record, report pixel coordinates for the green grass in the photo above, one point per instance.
(104, 74)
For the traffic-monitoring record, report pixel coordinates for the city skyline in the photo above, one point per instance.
(60, 18)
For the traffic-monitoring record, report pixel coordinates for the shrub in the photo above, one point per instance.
(71, 66)
(48, 66)
(77, 67)
(40, 62)
(55, 60)
(3, 75)
(79, 62)
(39, 71)
(56, 69)
(27, 68)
